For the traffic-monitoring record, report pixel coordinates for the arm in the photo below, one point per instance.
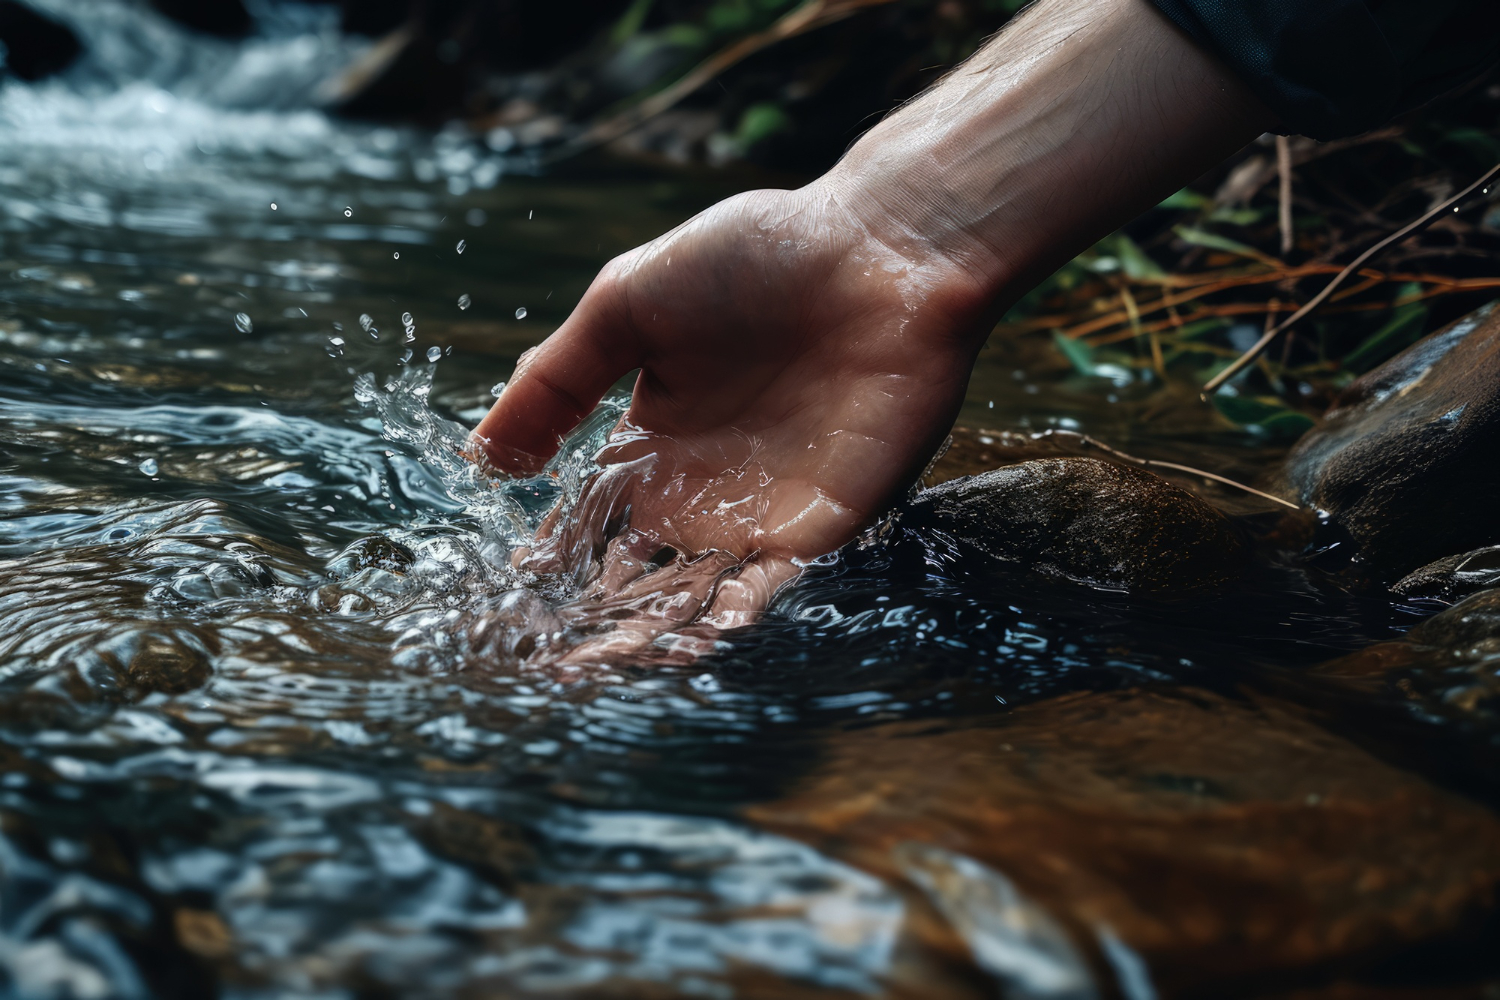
(803, 353)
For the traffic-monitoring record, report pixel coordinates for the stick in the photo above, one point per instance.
(1284, 171)
(1355, 265)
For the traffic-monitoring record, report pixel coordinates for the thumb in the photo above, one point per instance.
(558, 383)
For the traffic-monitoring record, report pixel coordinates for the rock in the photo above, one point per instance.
(166, 662)
(1088, 521)
(1232, 845)
(34, 46)
(222, 18)
(970, 452)
(1450, 579)
(1407, 462)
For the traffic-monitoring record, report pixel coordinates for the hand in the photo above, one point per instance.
(799, 364)
(803, 352)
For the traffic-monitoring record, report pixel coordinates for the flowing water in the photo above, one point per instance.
(270, 720)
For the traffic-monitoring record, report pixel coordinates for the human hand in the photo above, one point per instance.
(800, 362)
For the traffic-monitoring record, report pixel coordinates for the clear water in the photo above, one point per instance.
(273, 721)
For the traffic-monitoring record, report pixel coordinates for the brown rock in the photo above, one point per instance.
(1085, 520)
(1407, 462)
(1234, 846)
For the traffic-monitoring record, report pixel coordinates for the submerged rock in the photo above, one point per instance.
(1182, 840)
(1088, 521)
(34, 46)
(1407, 461)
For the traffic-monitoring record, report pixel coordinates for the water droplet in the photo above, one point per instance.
(497, 389)
(273, 206)
(464, 301)
(433, 353)
(365, 322)
(521, 313)
(396, 255)
(149, 467)
(406, 319)
(242, 323)
(462, 245)
(348, 212)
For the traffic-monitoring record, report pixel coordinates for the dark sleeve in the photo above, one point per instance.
(1332, 68)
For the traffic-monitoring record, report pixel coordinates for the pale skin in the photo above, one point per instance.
(802, 354)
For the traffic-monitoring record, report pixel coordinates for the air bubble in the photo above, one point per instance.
(365, 322)
(405, 356)
(497, 389)
(242, 323)
(406, 319)
(521, 313)
(433, 353)
(464, 301)
(148, 467)
(411, 334)
(396, 255)
(335, 347)
(273, 206)
(348, 212)
(462, 245)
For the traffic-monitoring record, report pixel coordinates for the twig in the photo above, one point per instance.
(1355, 265)
(1090, 442)
(799, 20)
(1284, 211)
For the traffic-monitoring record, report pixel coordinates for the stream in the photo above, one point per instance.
(267, 723)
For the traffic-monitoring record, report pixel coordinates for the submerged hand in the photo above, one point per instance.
(799, 364)
(803, 352)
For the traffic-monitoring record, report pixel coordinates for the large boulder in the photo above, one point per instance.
(1088, 521)
(1407, 462)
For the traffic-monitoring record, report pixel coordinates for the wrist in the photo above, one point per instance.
(1075, 119)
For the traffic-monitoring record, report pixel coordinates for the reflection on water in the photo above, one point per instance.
(280, 718)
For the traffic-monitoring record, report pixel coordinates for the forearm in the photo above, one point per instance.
(1077, 117)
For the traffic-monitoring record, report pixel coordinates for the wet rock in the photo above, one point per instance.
(371, 552)
(1232, 846)
(1407, 462)
(970, 452)
(223, 18)
(167, 663)
(34, 46)
(1450, 579)
(1088, 521)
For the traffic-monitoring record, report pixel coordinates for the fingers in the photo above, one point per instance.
(559, 382)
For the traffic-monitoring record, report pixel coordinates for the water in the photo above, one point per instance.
(279, 719)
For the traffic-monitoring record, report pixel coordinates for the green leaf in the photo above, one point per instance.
(1133, 260)
(1079, 354)
(1213, 241)
(630, 22)
(1185, 199)
(1239, 216)
(1402, 330)
(760, 121)
(1265, 413)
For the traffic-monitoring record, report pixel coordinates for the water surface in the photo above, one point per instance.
(268, 719)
